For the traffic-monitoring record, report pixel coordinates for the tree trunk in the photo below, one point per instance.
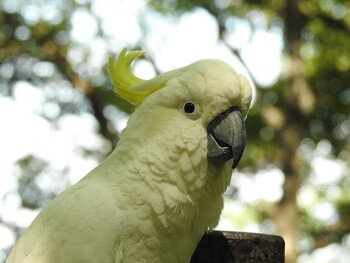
(298, 100)
(286, 214)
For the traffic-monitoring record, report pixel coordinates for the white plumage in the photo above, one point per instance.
(153, 198)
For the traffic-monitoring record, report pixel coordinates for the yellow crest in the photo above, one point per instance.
(126, 84)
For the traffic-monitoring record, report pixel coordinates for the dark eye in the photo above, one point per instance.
(189, 107)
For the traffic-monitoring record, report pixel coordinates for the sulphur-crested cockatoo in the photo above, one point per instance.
(161, 189)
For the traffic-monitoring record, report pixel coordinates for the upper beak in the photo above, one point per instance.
(227, 137)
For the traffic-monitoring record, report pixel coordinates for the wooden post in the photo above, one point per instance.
(239, 247)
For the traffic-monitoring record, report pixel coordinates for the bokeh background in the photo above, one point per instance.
(59, 117)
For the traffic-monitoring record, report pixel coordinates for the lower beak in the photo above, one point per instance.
(226, 137)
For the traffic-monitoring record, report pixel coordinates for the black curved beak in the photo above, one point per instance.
(226, 137)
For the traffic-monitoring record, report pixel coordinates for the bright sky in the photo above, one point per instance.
(173, 42)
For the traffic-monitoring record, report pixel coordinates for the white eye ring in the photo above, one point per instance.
(191, 109)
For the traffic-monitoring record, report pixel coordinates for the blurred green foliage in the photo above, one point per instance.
(308, 104)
